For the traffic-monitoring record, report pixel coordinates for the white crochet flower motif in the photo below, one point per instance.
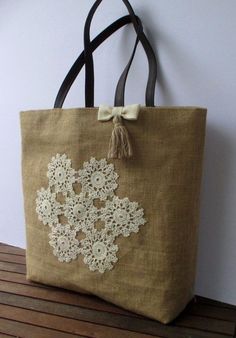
(60, 174)
(47, 207)
(64, 243)
(99, 251)
(98, 179)
(80, 212)
(122, 217)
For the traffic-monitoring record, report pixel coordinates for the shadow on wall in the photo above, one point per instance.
(212, 235)
(186, 68)
(162, 84)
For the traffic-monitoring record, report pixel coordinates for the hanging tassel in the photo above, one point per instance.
(120, 146)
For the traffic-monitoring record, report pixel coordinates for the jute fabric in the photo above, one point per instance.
(155, 272)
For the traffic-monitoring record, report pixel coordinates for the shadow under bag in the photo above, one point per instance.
(111, 194)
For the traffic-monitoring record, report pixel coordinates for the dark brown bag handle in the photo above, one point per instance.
(80, 61)
(120, 90)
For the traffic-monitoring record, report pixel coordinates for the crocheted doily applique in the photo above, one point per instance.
(98, 181)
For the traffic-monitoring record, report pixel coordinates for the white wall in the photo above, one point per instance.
(195, 43)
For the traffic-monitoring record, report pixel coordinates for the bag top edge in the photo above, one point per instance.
(96, 108)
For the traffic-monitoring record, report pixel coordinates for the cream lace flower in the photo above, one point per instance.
(122, 217)
(98, 179)
(47, 208)
(80, 212)
(99, 251)
(60, 174)
(65, 245)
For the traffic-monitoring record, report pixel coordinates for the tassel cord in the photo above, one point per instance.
(120, 146)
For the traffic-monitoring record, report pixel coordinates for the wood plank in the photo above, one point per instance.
(91, 302)
(209, 301)
(15, 277)
(78, 313)
(204, 318)
(64, 324)
(206, 324)
(132, 324)
(13, 267)
(61, 296)
(212, 311)
(11, 249)
(69, 298)
(6, 257)
(195, 309)
(22, 330)
(4, 335)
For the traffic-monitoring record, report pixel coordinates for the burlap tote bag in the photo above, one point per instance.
(111, 195)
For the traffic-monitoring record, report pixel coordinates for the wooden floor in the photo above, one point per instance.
(35, 311)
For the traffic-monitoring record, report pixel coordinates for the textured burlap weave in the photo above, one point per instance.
(155, 273)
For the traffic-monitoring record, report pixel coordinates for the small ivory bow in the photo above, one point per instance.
(120, 145)
(105, 113)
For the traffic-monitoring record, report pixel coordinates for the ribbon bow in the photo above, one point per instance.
(120, 145)
(106, 113)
